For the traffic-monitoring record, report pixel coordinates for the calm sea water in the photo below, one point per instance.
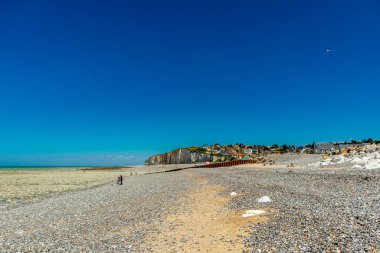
(2, 168)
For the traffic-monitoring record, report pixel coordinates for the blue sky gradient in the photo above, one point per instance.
(111, 82)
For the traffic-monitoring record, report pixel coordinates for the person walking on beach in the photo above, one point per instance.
(120, 180)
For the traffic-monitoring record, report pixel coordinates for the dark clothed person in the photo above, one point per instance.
(120, 180)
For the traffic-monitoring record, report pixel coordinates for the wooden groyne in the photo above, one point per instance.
(225, 164)
(212, 165)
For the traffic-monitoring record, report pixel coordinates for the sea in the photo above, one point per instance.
(24, 168)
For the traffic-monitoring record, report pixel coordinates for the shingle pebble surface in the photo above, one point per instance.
(109, 218)
(312, 210)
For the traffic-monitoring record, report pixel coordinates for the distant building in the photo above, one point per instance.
(307, 150)
(277, 151)
(341, 146)
(324, 148)
(248, 150)
(292, 149)
(231, 152)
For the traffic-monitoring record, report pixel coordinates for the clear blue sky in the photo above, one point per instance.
(111, 82)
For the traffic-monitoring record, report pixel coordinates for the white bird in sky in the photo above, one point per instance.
(330, 50)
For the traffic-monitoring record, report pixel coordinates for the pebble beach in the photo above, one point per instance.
(311, 209)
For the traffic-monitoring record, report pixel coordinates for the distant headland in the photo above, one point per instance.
(223, 153)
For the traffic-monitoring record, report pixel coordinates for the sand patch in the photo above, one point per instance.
(204, 223)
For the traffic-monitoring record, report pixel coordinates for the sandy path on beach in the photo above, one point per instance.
(203, 223)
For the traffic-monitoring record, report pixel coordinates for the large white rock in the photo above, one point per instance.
(264, 199)
(357, 166)
(325, 163)
(250, 213)
(373, 164)
(357, 160)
